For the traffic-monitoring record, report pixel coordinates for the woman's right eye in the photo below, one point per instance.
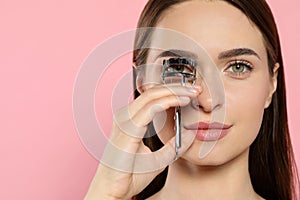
(180, 65)
(180, 68)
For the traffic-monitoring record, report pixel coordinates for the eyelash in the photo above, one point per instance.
(248, 67)
(186, 67)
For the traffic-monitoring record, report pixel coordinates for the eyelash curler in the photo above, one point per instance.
(182, 71)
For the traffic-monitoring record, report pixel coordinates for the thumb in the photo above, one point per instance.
(158, 160)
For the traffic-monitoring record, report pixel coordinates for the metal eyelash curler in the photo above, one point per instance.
(182, 71)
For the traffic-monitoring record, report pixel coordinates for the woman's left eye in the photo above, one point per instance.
(239, 69)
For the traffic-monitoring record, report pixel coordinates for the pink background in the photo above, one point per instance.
(42, 46)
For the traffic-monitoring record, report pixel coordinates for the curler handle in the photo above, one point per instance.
(177, 130)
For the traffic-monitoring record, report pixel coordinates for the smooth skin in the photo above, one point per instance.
(113, 184)
(223, 173)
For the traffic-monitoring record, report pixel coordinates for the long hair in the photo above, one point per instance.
(272, 165)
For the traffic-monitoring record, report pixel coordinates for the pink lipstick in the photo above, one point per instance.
(209, 131)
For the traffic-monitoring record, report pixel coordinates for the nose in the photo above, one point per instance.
(211, 98)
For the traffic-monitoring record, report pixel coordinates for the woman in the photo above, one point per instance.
(254, 159)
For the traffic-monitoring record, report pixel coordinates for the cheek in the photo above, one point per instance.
(245, 106)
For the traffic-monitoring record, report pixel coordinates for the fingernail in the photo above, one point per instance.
(193, 90)
(184, 99)
(197, 86)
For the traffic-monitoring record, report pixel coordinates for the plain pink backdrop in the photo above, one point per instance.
(42, 46)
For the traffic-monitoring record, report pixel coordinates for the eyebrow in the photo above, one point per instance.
(237, 52)
(177, 53)
(223, 55)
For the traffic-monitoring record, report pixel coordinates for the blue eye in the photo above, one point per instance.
(239, 69)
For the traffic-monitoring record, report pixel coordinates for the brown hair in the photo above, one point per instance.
(272, 166)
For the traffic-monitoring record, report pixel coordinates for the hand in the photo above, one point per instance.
(117, 177)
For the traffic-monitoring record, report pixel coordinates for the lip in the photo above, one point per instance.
(209, 131)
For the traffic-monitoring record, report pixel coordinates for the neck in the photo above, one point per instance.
(226, 181)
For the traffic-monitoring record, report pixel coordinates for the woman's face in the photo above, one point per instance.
(237, 49)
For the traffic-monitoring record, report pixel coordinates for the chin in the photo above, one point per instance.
(215, 156)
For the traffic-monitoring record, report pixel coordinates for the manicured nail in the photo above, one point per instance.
(193, 90)
(184, 99)
(197, 86)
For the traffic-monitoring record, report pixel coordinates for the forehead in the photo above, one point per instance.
(215, 25)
